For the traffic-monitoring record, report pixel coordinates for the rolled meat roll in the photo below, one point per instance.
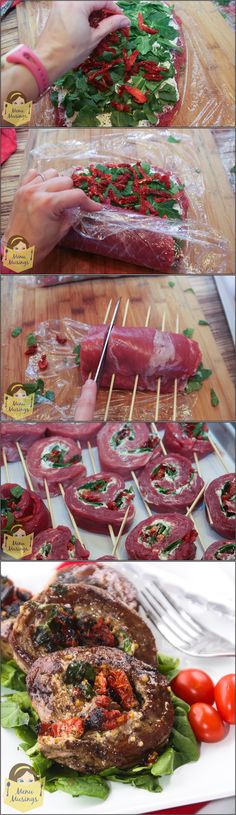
(144, 351)
(22, 507)
(25, 434)
(220, 550)
(56, 460)
(187, 438)
(114, 582)
(79, 431)
(123, 447)
(57, 544)
(12, 599)
(99, 708)
(162, 537)
(100, 500)
(69, 615)
(170, 483)
(220, 497)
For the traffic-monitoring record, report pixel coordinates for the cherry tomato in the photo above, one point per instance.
(193, 686)
(225, 698)
(206, 723)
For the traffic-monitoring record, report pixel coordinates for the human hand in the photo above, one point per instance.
(41, 210)
(68, 39)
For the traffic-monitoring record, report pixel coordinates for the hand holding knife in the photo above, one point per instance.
(86, 405)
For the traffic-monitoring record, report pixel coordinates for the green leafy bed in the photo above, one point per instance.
(17, 713)
(83, 95)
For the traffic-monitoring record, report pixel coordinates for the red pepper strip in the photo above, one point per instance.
(136, 93)
(147, 28)
(43, 363)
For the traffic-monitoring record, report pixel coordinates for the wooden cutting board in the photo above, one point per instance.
(209, 84)
(87, 302)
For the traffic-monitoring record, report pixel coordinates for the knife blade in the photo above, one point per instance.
(102, 360)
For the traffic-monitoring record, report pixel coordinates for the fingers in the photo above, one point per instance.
(58, 184)
(46, 177)
(74, 198)
(97, 5)
(29, 177)
(111, 24)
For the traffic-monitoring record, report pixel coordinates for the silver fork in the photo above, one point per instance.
(179, 627)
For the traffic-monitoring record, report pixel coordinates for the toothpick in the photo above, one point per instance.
(159, 379)
(195, 501)
(209, 516)
(49, 503)
(155, 433)
(148, 510)
(107, 311)
(27, 475)
(176, 380)
(113, 375)
(5, 465)
(120, 532)
(73, 522)
(217, 452)
(92, 459)
(137, 375)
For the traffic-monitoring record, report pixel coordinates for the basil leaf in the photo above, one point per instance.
(16, 332)
(214, 398)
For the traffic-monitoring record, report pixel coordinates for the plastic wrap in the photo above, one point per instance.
(225, 140)
(203, 102)
(227, 9)
(119, 233)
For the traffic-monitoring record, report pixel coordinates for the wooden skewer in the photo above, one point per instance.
(159, 379)
(148, 510)
(209, 515)
(49, 503)
(120, 532)
(198, 533)
(195, 501)
(5, 465)
(155, 433)
(92, 459)
(73, 522)
(217, 452)
(137, 375)
(27, 475)
(113, 375)
(176, 380)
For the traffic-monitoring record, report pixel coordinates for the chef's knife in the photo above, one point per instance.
(87, 402)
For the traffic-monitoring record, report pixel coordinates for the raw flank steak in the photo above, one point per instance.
(136, 189)
(132, 79)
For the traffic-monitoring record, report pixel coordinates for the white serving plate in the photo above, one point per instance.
(100, 545)
(212, 777)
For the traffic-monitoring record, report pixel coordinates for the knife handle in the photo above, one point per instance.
(85, 408)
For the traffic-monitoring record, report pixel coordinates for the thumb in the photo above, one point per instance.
(114, 23)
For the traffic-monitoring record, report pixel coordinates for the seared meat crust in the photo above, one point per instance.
(146, 726)
(112, 581)
(72, 615)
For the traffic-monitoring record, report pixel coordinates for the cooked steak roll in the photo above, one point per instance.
(110, 580)
(11, 601)
(68, 616)
(99, 708)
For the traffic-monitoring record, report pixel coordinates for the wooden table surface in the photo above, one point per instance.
(218, 205)
(208, 87)
(86, 301)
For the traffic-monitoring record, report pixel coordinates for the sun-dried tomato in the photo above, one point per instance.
(31, 351)
(147, 28)
(43, 363)
(96, 17)
(100, 684)
(113, 719)
(120, 684)
(61, 340)
(65, 726)
(119, 106)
